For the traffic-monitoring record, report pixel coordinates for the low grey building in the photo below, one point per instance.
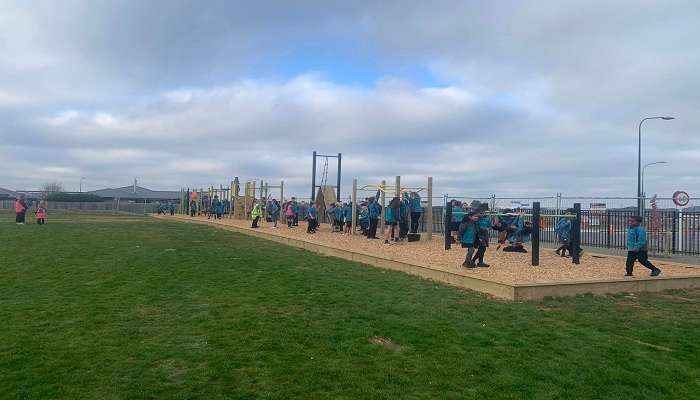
(136, 193)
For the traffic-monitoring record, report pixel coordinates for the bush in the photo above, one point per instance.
(74, 197)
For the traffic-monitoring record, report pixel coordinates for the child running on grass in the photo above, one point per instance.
(637, 247)
(41, 213)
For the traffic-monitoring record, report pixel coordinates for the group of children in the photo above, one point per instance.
(471, 223)
(21, 208)
(401, 216)
(211, 208)
(292, 210)
(165, 208)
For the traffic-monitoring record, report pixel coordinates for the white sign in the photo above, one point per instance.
(598, 207)
(681, 198)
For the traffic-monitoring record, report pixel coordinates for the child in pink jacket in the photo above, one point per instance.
(289, 213)
(41, 214)
(20, 211)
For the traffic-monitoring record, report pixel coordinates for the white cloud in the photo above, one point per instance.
(534, 99)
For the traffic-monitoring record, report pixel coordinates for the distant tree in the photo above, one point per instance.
(51, 188)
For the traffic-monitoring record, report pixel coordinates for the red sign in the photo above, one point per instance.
(681, 198)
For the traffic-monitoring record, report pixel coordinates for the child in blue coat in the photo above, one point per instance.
(416, 211)
(374, 212)
(363, 220)
(637, 247)
(338, 218)
(467, 234)
(312, 219)
(347, 214)
(563, 232)
(391, 217)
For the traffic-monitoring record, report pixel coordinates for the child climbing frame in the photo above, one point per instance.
(536, 218)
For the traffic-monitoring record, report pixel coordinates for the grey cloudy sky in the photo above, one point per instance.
(508, 97)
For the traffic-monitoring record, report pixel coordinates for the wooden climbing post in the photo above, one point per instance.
(353, 225)
(382, 194)
(429, 210)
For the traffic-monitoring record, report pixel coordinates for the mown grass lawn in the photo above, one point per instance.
(131, 307)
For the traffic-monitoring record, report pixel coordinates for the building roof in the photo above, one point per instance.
(136, 192)
(7, 193)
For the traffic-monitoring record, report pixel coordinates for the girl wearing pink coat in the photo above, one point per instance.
(41, 214)
(289, 213)
(20, 210)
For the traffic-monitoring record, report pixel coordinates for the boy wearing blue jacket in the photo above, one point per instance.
(637, 247)
(295, 208)
(403, 216)
(375, 211)
(363, 220)
(338, 215)
(563, 232)
(391, 217)
(312, 218)
(467, 234)
(416, 211)
(347, 214)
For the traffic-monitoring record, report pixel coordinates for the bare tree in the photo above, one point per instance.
(51, 187)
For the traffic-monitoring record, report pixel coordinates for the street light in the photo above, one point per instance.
(81, 184)
(644, 169)
(640, 201)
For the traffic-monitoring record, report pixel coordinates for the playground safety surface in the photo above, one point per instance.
(510, 275)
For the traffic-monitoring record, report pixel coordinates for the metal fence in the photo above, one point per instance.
(107, 206)
(604, 220)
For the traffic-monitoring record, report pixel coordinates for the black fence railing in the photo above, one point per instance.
(669, 231)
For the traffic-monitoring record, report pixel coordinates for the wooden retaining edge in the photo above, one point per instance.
(512, 292)
(538, 291)
(496, 289)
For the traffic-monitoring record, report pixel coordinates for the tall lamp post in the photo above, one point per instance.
(640, 200)
(644, 168)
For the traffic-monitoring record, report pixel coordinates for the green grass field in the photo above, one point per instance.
(105, 307)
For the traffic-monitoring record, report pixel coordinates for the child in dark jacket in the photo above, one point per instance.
(312, 219)
(467, 234)
(374, 211)
(637, 247)
(347, 215)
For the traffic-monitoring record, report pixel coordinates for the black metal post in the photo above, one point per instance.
(608, 228)
(339, 170)
(576, 235)
(313, 180)
(447, 219)
(535, 233)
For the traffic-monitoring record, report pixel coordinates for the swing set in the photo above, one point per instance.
(536, 218)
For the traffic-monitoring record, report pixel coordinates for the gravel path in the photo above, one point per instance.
(511, 268)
